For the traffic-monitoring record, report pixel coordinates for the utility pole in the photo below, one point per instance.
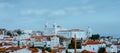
(75, 43)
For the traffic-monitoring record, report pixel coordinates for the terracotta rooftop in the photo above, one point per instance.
(92, 42)
(38, 37)
(2, 49)
(85, 51)
(15, 48)
(53, 51)
(72, 30)
(34, 50)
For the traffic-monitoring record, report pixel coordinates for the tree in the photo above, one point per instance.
(79, 42)
(9, 33)
(18, 31)
(71, 45)
(101, 50)
(43, 50)
(66, 51)
(78, 45)
(95, 37)
(48, 49)
(61, 38)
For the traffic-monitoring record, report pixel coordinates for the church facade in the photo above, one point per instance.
(58, 30)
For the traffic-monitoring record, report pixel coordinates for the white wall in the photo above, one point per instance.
(79, 35)
(65, 34)
(22, 51)
(1, 36)
(54, 41)
(72, 50)
(93, 48)
(22, 37)
(113, 48)
(39, 43)
(27, 31)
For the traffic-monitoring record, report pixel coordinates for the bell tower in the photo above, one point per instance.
(89, 32)
(55, 28)
(46, 28)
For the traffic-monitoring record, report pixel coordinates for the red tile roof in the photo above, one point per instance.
(2, 49)
(1, 32)
(85, 51)
(27, 39)
(33, 50)
(92, 42)
(53, 51)
(72, 30)
(12, 48)
(41, 37)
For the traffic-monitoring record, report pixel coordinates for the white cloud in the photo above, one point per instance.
(91, 11)
(88, 9)
(43, 12)
(4, 5)
(59, 12)
(73, 10)
(34, 12)
(80, 10)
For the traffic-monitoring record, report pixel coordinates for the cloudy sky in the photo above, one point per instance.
(103, 16)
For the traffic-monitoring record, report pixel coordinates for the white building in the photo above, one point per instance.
(72, 50)
(89, 32)
(56, 29)
(1, 36)
(51, 30)
(27, 31)
(80, 34)
(42, 44)
(54, 41)
(2, 31)
(22, 37)
(37, 33)
(22, 51)
(66, 43)
(111, 49)
(48, 44)
(93, 46)
(90, 45)
(118, 40)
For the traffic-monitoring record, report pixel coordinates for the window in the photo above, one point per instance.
(93, 48)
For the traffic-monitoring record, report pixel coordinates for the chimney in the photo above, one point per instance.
(75, 43)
